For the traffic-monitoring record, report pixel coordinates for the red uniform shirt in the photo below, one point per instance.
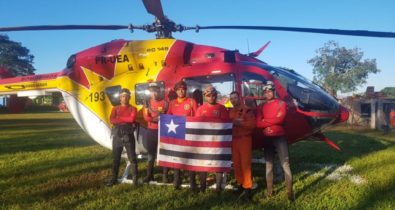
(183, 107)
(216, 110)
(123, 115)
(152, 112)
(271, 117)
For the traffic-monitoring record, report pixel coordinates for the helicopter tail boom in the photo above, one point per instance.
(32, 85)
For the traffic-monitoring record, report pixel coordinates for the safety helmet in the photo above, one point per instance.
(269, 86)
(210, 90)
(153, 86)
(180, 84)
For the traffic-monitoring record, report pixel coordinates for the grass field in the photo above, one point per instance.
(47, 162)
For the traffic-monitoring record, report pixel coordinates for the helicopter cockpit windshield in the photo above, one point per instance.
(224, 83)
(309, 96)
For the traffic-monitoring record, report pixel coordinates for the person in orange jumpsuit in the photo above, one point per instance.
(211, 109)
(151, 111)
(392, 118)
(182, 106)
(122, 117)
(243, 125)
(270, 118)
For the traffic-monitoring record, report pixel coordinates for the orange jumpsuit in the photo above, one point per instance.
(392, 118)
(241, 144)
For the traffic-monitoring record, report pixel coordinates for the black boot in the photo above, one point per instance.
(165, 176)
(114, 174)
(111, 182)
(192, 182)
(246, 194)
(203, 182)
(218, 183)
(291, 196)
(239, 189)
(134, 173)
(150, 169)
(177, 179)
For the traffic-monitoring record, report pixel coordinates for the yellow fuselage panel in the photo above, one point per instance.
(145, 60)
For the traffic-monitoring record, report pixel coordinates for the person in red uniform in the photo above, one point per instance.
(214, 110)
(151, 111)
(182, 106)
(270, 118)
(123, 117)
(243, 125)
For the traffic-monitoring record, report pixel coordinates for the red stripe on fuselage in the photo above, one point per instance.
(100, 60)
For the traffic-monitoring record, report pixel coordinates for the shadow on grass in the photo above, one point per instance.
(352, 146)
(35, 143)
(44, 134)
(35, 124)
(305, 156)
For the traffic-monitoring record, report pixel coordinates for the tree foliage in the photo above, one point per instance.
(389, 92)
(15, 58)
(340, 69)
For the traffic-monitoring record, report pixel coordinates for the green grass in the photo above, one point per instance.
(47, 162)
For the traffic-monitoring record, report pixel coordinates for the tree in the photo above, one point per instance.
(341, 69)
(389, 92)
(15, 58)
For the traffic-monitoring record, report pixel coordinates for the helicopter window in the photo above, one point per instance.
(252, 89)
(142, 93)
(113, 94)
(309, 96)
(224, 84)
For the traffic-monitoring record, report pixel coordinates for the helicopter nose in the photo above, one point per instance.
(343, 115)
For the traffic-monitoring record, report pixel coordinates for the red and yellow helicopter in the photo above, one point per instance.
(93, 77)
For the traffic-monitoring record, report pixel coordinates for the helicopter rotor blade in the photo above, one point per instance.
(154, 7)
(69, 27)
(306, 30)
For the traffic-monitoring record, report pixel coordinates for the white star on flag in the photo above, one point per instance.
(172, 127)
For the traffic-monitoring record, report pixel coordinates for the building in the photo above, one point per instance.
(373, 110)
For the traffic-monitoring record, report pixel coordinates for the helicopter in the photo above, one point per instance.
(92, 78)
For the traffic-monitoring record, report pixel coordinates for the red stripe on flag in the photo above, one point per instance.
(193, 168)
(167, 140)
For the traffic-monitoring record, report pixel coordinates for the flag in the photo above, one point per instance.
(195, 143)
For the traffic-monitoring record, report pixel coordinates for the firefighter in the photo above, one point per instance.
(151, 111)
(211, 109)
(123, 117)
(243, 125)
(270, 118)
(182, 106)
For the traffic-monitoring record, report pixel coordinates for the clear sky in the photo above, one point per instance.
(288, 49)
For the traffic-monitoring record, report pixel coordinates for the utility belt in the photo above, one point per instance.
(124, 132)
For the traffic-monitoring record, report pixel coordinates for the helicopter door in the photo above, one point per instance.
(224, 83)
(252, 91)
(142, 93)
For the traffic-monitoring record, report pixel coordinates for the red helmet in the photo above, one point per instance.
(180, 84)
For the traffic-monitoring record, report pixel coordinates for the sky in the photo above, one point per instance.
(287, 49)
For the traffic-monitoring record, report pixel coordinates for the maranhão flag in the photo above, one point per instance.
(195, 143)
